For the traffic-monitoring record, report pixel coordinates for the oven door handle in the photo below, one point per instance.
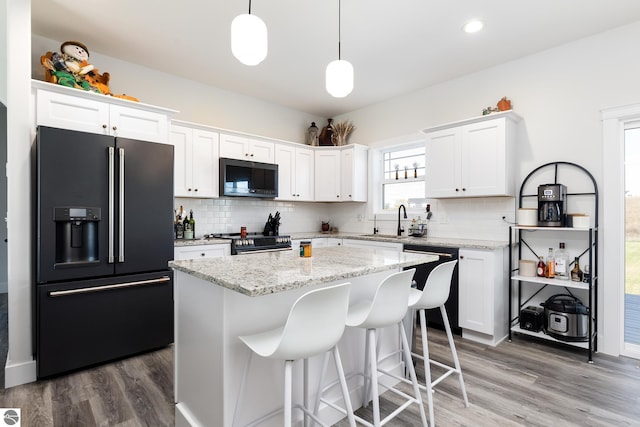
(439, 254)
(260, 251)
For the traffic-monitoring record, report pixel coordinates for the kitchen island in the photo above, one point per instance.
(218, 299)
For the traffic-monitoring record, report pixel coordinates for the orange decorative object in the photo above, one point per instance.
(504, 104)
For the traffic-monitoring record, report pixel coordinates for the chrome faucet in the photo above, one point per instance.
(400, 229)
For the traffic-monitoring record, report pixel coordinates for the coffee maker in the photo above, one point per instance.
(552, 205)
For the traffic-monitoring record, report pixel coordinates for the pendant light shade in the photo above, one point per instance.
(249, 39)
(339, 73)
(339, 78)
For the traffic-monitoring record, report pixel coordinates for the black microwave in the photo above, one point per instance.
(248, 179)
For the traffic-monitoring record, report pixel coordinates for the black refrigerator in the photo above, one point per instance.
(104, 234)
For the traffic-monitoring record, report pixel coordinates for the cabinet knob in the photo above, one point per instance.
(457, 189)
(338, 196)
(202, 254)
(188, 189)
(251, 154)
(115, 128)
(104, 126)
(461, 257)
(464, 189)
(246, 154)
(195, 189)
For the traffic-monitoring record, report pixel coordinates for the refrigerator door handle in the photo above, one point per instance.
(111, 200)
(121, 207)
(162, 279)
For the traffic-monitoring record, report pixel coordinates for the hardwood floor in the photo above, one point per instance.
(523, 383)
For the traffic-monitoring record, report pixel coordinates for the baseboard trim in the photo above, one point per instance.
(19, 373)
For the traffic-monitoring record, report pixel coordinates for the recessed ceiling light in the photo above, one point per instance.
(473, 26)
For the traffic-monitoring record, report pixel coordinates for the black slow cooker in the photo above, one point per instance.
(566, 318)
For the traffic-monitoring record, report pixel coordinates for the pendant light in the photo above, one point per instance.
(339, 73)
(249, 38)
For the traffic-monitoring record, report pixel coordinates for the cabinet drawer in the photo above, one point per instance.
(208, 251)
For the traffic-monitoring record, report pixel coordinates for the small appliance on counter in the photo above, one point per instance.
(566, 318)
(552, 205)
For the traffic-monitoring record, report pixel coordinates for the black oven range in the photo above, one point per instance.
(256, 243)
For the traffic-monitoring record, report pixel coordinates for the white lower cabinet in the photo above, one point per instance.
(201, 251)
(482, 303)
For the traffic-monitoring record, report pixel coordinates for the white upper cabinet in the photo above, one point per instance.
(243, 148)
(353, 174)
(67, 108)
(327, 175)
(341, 174)
(295, 172)
(195, 161)
(473, 158)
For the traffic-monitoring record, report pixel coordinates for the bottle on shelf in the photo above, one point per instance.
(576, 273)
(549, 271)
(561, 259)
(540, 270)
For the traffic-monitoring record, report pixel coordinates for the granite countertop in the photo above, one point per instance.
(422, 241)
(201, 241)
(274, 272)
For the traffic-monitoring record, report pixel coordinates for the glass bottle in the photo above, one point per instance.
(192, 223)
(550, 267)
(561, 259)
(540, 270)
(576, 273)
(312, 134)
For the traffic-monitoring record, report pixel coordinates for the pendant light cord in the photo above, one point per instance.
(249, 7)
(339, 28)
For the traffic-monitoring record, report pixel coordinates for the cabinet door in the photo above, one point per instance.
(205, 163)
(234, 147)
(134, 123)
(286, 159)
(304, 174)
(181, 138)
(69, 112)
(261, 151)
(353, 174)
(443, 163)
(476, 290)
(327, 176)
(483, 159)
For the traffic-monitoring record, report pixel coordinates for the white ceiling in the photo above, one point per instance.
(396, 47)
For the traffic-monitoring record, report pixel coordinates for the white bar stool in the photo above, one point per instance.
(435, 294)
(315, 324)
(388, 307)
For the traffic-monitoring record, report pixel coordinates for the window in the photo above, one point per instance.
(403, 177)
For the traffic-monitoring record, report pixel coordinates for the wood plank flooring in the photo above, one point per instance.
(523, 383)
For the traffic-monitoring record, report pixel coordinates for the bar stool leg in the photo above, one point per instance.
(288, 384)
(456, 361)
(373, 370)
(427, 366)
(412, 372)
(343, 384)
(367, 372)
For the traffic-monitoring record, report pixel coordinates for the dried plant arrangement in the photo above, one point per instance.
(341, 131)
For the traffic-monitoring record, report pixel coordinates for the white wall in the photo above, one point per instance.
(3, 99)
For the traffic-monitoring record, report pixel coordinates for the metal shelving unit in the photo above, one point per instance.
(537, 284)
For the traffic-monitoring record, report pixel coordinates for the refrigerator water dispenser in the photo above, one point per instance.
(76, 234)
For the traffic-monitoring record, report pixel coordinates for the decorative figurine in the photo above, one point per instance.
(312, 135)
(326, 136)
